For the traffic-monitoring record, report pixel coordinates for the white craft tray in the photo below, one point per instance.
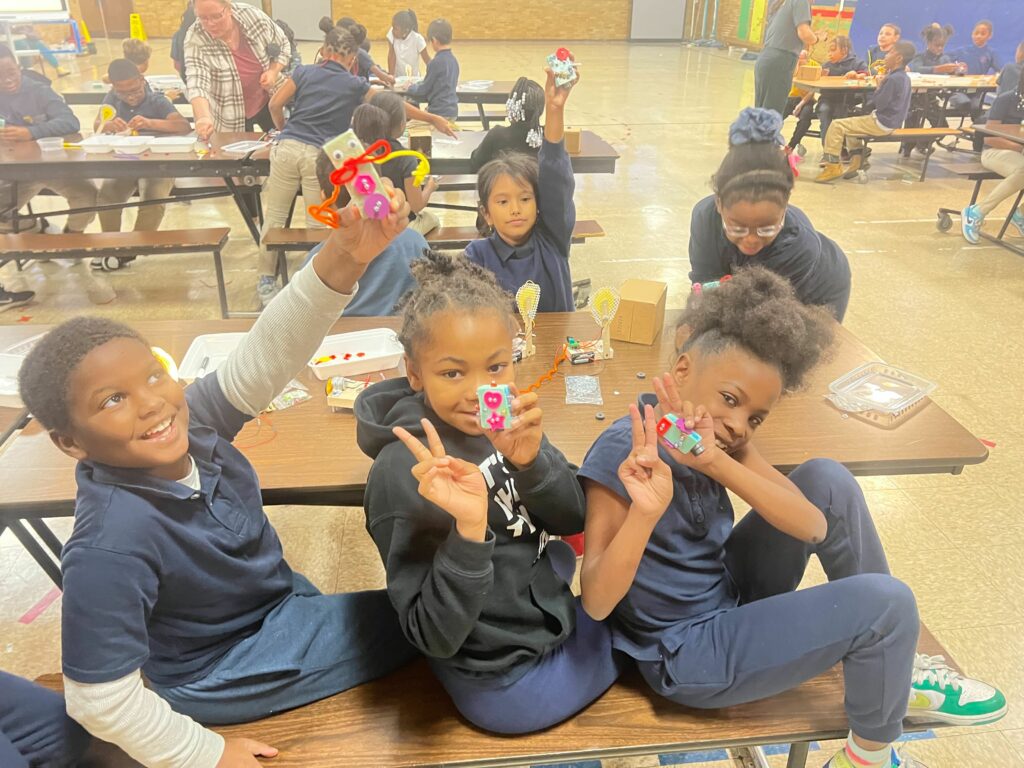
(213, 348)
(380, 347)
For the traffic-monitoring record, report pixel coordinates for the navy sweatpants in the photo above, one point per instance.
(557, 686)
(34, 727)
(778, 638)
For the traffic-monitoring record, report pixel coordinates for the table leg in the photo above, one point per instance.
(222, 292)
(483, 115)
(40, 555)
(798, 754)
(1009, 216)
(243, 208)
(48, 537)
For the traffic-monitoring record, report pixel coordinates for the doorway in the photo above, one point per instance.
(115, 12)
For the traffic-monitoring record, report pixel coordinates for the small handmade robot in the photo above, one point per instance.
(674, 434)
(699, 288)
(495, 406)
(563, 67)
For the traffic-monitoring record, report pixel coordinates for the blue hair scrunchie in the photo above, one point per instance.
(756, 126)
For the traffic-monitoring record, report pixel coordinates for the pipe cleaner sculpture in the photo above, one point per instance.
(528, 299)
(354, 170)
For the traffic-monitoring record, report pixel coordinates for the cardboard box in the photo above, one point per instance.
(573, 141)
(420, 138)
(808, 72)
(641, 312)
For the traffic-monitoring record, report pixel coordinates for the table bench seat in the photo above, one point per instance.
(91, 245)
(912, 136)
(407, 721)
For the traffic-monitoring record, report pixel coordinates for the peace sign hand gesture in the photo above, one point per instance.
(647, 478)
(456, 486)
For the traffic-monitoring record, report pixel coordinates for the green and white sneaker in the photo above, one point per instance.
(938, 692)
(899, 760)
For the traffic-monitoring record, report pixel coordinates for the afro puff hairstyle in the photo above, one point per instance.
(45, 376)
(758, 311)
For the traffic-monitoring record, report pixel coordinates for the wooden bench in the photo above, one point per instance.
(975, 172)
(281, 240)
(913, 136)
(23, 247)
(406, 720)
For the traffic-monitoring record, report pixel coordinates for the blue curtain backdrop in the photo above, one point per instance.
(1007, 16)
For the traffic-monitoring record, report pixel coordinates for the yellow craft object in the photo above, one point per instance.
(603, 305)
(422, 169)
(166, 361)
(107, 112)
(528, 299)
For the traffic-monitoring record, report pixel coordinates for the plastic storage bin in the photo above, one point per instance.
(377, 349)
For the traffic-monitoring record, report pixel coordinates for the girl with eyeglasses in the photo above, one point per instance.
(749, 221)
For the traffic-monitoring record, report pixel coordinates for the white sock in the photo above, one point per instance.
(868, 758)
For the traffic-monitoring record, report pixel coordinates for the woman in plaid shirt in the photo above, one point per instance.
(234, 57)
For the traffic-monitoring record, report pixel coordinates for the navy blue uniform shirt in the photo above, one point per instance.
(813, 263)
(544, 257)
(1006, 109)
(38, 107)
(980, 61)
(682, 576)
(439, 85)
(165, 578)
(925, 62)
(892, 99)
(155, 106)
(326, 95)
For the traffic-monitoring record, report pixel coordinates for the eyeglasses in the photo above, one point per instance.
(213, 17)
(765, 232)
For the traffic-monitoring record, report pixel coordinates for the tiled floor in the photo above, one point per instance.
(921, 299)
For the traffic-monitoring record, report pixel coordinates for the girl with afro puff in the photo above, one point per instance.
(708, 608)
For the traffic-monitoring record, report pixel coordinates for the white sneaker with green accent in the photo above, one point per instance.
(938, 692)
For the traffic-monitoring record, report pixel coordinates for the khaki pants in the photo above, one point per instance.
(1009, 165)
(425, 222)
(114, 191)
(292, 167)
(80, 193)
(839, 131)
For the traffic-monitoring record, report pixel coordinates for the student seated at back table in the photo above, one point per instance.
(173, 570)
(891, 106)
(830, 106)
(888, 36)
(137, 108)
(1010, 74)
(527, 205)
(1005, 158)
(709, 608)
(32, 110)
(980, 60)
(387, 278)
(438, 88)
(749, 221)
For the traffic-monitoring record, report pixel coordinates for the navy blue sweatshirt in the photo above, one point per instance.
(892, 99)
(925, 62)
(487, 608)
(36, 105)
(439, 85)
(544, 257)
(815, 265)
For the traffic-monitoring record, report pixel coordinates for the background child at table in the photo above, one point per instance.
(384, 118)
(138, 53)
(406, 45)
(462, 522)
(934, 60)
(830, 106)
(1011, 73)
(888, 36)
(322, 97)
(1004, 157)
(32, 110)
(173, 569)
(438, 88)
(527, 206)
(35, 730)
(979, 57)
(891, 104)
(748, 220)
(708, 609)
(363, 66)
(523, 134)
(138, 108)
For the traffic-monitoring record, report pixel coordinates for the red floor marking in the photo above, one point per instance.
(24, 318)
(37, 610)
(989, 443)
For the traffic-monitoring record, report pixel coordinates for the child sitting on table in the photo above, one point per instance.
(891, 105)
(30, 110)
(523, 134)
(527, 207)
(709, 608)
(830, 106)
(384, 118)
(137, 109)
(438, 88)
(173, 570)
(1003, 157)
(462, 514)
(406, 45)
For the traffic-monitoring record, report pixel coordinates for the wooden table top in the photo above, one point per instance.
(23, 160)
(313, 458)
(1008, 132)
(917, 84)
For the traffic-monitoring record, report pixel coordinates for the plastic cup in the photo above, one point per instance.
(52, 144)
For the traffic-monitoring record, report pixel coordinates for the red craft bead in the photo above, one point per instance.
(562, 54)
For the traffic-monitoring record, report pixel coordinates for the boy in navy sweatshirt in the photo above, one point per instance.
(30, 110)
(438, 87)
(892, 103)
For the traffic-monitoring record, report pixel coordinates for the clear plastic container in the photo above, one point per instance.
(207, 353)
(51, 144)
(880, 393)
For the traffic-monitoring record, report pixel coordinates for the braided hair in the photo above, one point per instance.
(758, 311)
(449, 283)
(338, 41)
(755, 167)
